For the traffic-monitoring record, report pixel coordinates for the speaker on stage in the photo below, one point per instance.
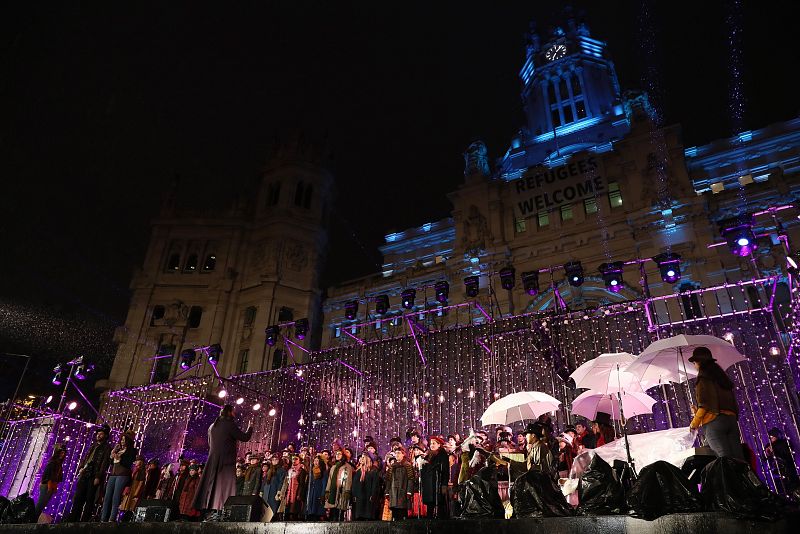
(693, 465)
(244, 508)
(154, 511)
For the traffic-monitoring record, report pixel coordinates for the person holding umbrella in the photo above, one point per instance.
(716, 410)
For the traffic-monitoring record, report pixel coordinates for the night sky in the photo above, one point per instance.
(104, 104)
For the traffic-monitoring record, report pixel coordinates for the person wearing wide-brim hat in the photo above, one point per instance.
(252, 475)
(717, 411)
(539, 457)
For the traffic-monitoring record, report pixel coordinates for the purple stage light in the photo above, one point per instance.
(301, 328)
(669, 264)
(612, 275)
(738, 232)
(72, 405)
(58, 378)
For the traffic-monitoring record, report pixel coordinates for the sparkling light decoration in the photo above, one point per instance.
(173, 419)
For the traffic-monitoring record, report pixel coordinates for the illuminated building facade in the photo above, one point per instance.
(589, 180)
(221, 277)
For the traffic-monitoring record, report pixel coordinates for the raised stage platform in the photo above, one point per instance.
(675, 523)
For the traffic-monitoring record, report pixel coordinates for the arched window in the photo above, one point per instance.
(158, 313)
(195, 315)
(298, 194)
(551, 94)
(250, 316)
(191, 263)
(575, 83)
(273, 193)
(562, 90)
(307, 197)
(174, 262)
(210, 263)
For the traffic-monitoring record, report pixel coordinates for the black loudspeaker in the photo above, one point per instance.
(693, 465)
(154, 511)
(246, 508)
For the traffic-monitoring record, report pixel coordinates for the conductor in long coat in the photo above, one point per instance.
(218, 481)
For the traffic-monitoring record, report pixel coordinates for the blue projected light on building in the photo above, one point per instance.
(572, 100)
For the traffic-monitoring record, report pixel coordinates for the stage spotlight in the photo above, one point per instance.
(256, 406)
(530, 281)
(83, 371)
(738, 232)
(272, 412)
(351, 309)
(214, 352)
(574, 272)
(612, 275)
(791, 265)
(72, 405)
(58, 377)
(301, 328)
(407, 298)
(472, 285)
(239, 401)
(442, 288)
(187, 358)
(272, 335)
(222, 394)
(49, 399)
(507, 278)
(381, 304)
(669, 264)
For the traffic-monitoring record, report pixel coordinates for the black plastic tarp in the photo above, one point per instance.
(731, 486)
(535, 494)
(20, 510)
(481, 498)
(599, 492)
(663, 489)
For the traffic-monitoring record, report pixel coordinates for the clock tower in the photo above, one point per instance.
(571, 98)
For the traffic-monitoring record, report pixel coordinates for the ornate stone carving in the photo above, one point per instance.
(476, 160)
(475, 230)
(296, 256)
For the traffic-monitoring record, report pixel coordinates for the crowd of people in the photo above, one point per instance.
(413, 476)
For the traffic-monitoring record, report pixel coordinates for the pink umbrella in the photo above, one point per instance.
(589, 403)
(606, 374)
(668, 359)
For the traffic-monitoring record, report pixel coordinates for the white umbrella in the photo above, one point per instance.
(589, 403)
(606, 374)
(518, 406)
(668, 359)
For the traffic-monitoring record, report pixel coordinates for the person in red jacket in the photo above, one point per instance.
(186, 501)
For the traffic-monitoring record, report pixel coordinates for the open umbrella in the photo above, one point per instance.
(668, 359)
(589, 403)
(518, 406)
(606, 374)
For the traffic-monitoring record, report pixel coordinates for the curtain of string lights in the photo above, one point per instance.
(382, 388)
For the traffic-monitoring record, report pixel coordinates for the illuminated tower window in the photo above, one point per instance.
(520, 226)
(566, 212)
(614, 195)
(590, 205)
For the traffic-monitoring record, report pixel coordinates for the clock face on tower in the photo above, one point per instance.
(556, 52)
